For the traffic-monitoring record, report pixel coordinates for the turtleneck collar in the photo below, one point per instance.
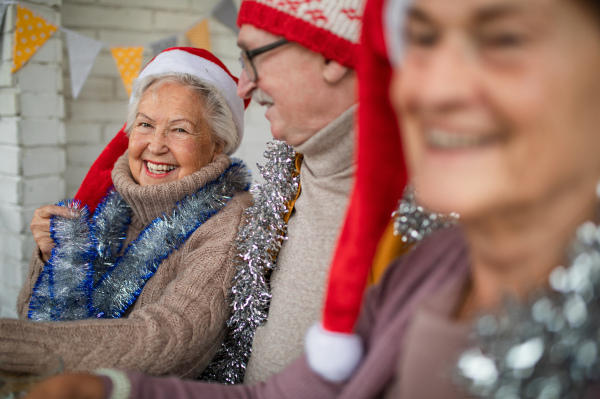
(150, 202)
(331, 149)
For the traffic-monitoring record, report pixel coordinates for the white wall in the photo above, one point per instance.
(32, 155)
(48, 140)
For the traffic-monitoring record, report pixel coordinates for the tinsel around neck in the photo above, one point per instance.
(414, 223)
(258, 243)
(85, 275)
(548, 347)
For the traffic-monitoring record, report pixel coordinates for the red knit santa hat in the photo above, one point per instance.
(332, 350)
(193, 61)
(330, 27)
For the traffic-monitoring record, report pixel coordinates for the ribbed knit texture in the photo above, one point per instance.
(331, 28)
(298, 282)
(150, 202)
(178, 322)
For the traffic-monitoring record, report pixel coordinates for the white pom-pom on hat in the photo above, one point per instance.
(334, 356)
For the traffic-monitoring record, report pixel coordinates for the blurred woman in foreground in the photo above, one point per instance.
(499, 102)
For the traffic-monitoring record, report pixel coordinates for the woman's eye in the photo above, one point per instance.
(501, 40)
(180, 130)
(421, 37)
(144, 124)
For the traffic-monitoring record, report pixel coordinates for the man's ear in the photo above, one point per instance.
(334, 72)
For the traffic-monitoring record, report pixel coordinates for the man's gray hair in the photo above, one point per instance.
(215, 110)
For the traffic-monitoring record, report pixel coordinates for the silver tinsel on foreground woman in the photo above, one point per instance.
(549, 348)
(413, 223)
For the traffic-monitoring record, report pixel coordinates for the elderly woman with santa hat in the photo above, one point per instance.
(141, 283)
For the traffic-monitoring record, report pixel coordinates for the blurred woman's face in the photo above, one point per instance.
(499, 102)
(170, 138)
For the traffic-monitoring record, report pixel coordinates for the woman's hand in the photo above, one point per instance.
(40, 227)
(69, 386)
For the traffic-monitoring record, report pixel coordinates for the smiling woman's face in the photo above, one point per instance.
(170, 138)
(500, 102)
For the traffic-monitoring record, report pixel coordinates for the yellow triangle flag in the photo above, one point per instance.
(31, 32)
(129, 62)
(199, 35)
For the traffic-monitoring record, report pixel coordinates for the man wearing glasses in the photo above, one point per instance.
(298, 59)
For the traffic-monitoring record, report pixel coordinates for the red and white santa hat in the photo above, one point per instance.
(333, 350)
(331, 28)
(193, 61)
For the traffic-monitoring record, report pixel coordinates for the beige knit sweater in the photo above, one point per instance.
(178, 321)
(298, 283)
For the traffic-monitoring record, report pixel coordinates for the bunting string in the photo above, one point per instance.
(32, 31)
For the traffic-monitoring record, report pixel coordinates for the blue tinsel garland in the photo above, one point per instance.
(85, 277)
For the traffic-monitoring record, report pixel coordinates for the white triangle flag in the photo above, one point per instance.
(226, 13)
(82, 54)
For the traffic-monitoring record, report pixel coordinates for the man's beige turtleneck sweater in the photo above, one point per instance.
(298, 283)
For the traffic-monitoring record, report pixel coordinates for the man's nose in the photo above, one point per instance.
(245, 86)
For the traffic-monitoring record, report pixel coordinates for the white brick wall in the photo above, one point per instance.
(32, 154)
(48, 140)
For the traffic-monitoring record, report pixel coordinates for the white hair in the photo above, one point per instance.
(215, 110)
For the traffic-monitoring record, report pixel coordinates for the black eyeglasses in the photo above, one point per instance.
(247, 56)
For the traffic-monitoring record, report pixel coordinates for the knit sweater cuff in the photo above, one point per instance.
(120, 386)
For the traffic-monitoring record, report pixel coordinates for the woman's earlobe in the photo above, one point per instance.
(218, 151)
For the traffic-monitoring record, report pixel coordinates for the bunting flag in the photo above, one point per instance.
(129, 62)
(31, 32)
(199, 35)
(82, 54)
(226, 13)
(163, 44)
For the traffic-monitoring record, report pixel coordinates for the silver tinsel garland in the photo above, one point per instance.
(548, 347)
(69, 300)
(258, 243)
(113, 283)
(109, 227)
(413, 223)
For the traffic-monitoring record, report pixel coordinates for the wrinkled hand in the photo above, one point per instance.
(40, 227)
(69, 386)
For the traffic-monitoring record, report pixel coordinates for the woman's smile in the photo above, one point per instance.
(158, 169)
(446, 140)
